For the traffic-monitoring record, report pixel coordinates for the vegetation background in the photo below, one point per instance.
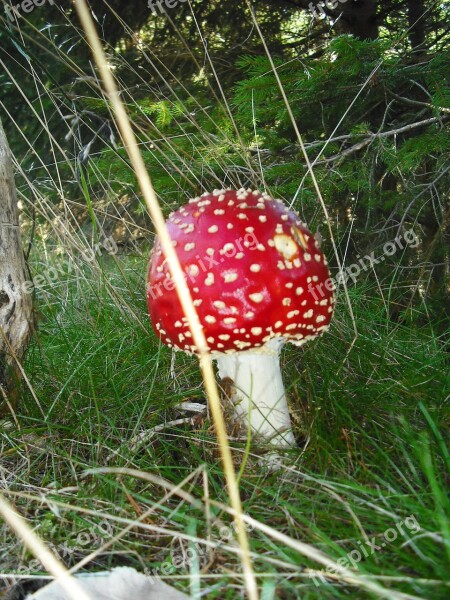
(368, 85)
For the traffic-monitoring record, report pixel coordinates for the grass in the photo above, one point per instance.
(370, 428)
(366, 485)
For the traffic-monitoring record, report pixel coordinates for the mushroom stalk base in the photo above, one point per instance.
(258, 389)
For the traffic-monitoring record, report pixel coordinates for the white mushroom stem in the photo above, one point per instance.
(258, 397)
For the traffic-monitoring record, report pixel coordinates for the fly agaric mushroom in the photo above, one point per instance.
(258, 279)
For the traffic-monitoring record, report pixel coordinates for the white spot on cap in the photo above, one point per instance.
(242, 216)
(219, 304)
(210, 340)
(249, 315)
(213, 229)
(227, 248)
(262, 218)
(190, 228)
(224, 336)
(278, 324)
(210, 279)
(289, 284)
(229, 320)
(256, 330)
(308, 314)
(307, 256)
(317, 257)
(219, 211)
(255, 268)
(177, 324)
(299, 291)
(285, 245)
(210, 251)
(239, 255)
(230, 225)
(292, 314)
(249, 229)
(189, 247)
(323, 302)
(197, 302)
(320, 318)
(229, 276)
(242, 345)
(210, 319)
(256, 297)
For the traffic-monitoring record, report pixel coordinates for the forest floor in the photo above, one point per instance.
(365, 484)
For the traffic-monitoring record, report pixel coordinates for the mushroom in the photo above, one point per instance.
(258, 279)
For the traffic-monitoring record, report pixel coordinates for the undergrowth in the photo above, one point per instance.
(369, 426)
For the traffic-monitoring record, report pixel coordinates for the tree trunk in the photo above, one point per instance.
(15, 297)
(416, 24)
(357, 18)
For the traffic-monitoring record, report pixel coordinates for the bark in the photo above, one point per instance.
(15, 297)
(357, 18)
(416, 24)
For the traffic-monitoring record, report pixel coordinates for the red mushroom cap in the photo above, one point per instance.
(254, 270)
